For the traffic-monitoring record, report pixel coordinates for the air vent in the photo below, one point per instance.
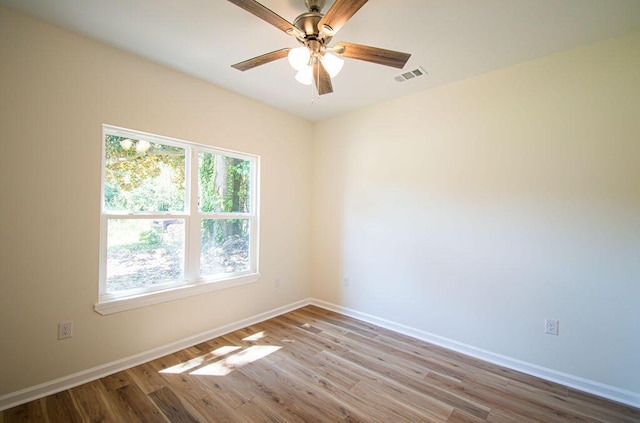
(411, 74)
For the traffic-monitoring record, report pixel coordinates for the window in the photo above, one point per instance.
(177, 219)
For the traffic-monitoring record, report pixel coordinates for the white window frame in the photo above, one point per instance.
(193, 284)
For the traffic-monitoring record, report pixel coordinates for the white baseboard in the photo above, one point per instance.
(75, 379)
(585, 385)
(66, 382)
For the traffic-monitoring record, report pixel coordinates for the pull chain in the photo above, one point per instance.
(315, 91)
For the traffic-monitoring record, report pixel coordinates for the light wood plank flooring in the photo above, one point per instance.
(312, 365)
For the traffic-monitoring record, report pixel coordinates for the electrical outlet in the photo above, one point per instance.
(65, 330)
(276, 283)
(346, 281)
(551, 326)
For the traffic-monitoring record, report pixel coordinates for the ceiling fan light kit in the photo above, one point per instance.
(314, 61)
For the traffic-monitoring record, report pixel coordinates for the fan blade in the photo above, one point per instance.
(339, 13)
(261, 60)
(265, 14)
(377, 55)
(322, 79)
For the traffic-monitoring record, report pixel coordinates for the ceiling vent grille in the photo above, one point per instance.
(411, 74)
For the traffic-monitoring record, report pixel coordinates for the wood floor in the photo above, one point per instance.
(312, 365)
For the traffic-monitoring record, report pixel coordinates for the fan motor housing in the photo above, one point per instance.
(308, 23)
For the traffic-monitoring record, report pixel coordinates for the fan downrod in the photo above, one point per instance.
(314, 5)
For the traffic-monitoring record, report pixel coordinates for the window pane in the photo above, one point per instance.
(143, 253)
(143, 176)
(224, 246)
(223, 183)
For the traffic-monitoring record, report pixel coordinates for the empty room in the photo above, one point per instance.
(320, 211)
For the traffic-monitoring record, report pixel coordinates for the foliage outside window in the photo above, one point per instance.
(174, 214)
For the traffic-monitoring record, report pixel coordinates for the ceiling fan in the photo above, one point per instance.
(314, 60)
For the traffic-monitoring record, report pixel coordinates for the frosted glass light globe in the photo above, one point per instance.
(305, 75)
(299, 57)
(332, 63)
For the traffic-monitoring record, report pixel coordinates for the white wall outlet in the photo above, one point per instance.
(346, 281)
(551, 326)
(65, 330)
(276, 283)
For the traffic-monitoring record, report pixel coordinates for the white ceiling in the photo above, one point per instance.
(450, 39)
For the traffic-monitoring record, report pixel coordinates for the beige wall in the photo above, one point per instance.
(56, 90)
(476, 210)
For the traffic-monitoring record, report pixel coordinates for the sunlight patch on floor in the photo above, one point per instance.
(255, 337)
(195, 362)
(216, 364)
(242, 358)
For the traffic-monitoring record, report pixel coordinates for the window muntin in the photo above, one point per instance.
(174, 214)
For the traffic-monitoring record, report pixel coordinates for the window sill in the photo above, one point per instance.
(142, 300)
